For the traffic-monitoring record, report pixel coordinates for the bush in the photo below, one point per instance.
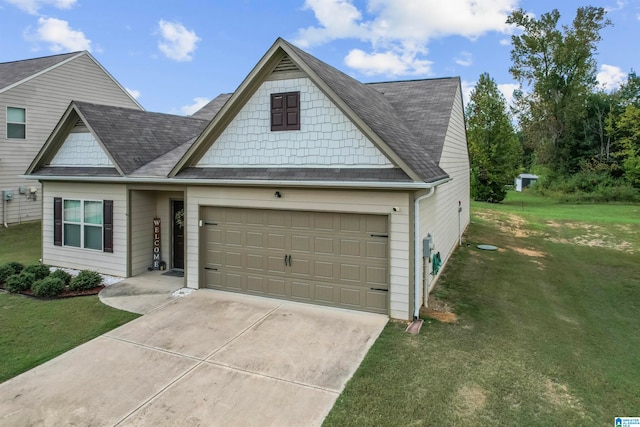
(62, 275)
(39, 270)
(9, 269)
(86, 279)
(48, 287)
(20, 282)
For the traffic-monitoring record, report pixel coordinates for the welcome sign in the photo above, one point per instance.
(156, 243)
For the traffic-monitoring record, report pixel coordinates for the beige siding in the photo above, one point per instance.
(143, 210)
(45, 99)
(312, 200)
(439, 213)
(108, 263)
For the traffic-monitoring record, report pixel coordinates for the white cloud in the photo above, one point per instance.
(135, 93)
(610, 77)
(198, 103)
(467, 88)
(505, 42)
(32, 6)
(387, 63)
(60, 36)
(464, 59)
(177, 42)
(399, 31)
(507, 91)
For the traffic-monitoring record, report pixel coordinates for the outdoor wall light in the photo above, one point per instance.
(278, 195)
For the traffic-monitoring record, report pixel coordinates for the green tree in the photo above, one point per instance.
(557, 73)
(494, 149)
(628, 126)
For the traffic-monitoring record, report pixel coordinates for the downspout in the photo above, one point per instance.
(417, 262)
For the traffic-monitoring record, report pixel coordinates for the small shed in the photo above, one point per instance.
(524, 180)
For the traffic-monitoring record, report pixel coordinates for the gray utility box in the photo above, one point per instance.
(7, 195)
(427, 246)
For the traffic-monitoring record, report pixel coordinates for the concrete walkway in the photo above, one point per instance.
(211, 358)
(143, 293)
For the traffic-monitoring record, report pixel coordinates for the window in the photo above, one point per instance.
(16, 123)
(84, 224)
(285, 111)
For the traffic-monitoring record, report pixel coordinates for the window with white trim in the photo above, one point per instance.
(82, 224)
(16, 123)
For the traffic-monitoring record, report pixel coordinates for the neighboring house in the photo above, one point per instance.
(304, 184)
(34, 93)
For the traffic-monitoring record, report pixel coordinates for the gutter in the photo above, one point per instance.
(416, 245)
(245, 182)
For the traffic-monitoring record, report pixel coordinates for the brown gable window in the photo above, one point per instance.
(285, 111)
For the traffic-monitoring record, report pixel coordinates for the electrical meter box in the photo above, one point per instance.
(7, 195)
(427, 246)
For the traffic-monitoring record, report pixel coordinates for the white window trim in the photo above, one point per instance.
(82, 224)
(7, 122)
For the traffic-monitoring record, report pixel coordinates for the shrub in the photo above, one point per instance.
(63, 275)
(86, 279)
(48, 287)
(6, 271)
(9, 269)
(20, 282)
(39, 270)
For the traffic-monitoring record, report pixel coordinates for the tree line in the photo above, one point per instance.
(583, 141)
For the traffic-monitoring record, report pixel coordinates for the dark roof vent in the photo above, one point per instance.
(286, 64)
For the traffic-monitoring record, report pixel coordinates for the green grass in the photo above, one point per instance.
(548, 330)
(34, 331)
(21, 243)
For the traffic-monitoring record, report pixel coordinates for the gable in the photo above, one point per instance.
(326, 139)
(81, 148)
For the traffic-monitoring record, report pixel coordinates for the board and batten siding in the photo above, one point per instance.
(439, 213)
(45, 98)
(322, 200)
(63, 256)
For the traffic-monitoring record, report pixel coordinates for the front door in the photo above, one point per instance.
(177, 210)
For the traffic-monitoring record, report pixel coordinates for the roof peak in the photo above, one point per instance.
(69, 54)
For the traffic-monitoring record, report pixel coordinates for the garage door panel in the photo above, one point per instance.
(376, 249)
(318, 257)
(350, 248)
(301, 290)
(376, 276)
(277, 287)
(276, 241)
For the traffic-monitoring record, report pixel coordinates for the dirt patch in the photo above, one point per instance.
(439, 310)
(528, 252)
(507, 223)
(558, 395)
(469, 400)
(591, 235)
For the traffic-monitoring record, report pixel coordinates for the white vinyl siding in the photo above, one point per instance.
(67, 256)
(439, 213)
(373, 202)
(45, 98)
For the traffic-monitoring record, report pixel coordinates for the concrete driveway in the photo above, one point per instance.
(211, 358)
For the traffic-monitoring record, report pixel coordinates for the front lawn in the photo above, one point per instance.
(548, 330)
(34, 331)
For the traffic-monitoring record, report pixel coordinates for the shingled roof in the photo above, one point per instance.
(210, 110)
(17, 71)
(135, 138)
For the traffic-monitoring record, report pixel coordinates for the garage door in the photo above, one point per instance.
(317, 257)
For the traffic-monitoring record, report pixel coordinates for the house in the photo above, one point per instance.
(304, 184)
(524, 180)
(34, 93)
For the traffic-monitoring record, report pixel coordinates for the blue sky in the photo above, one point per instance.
(174, 56)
